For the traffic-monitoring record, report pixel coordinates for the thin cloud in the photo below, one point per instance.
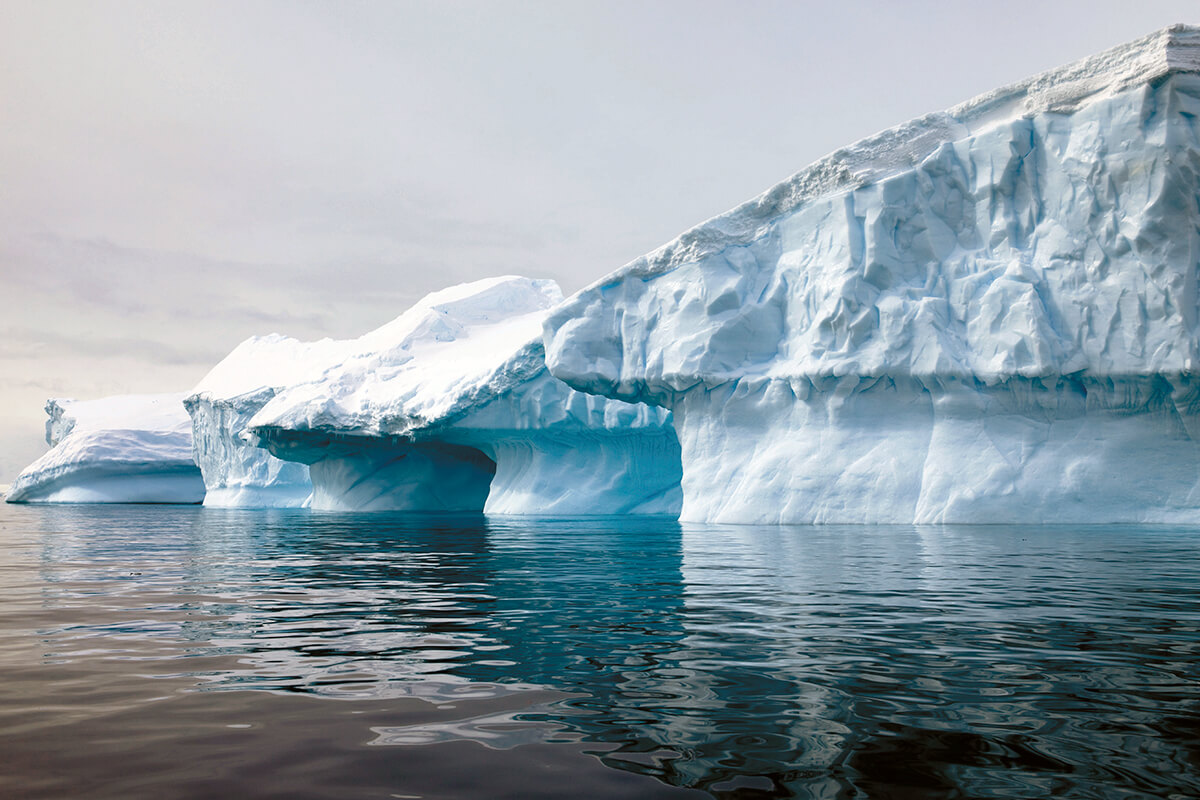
(30, 342)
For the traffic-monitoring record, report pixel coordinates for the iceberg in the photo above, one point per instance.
(123, 449)
(238, 473)
(988, 314)
(450, 407)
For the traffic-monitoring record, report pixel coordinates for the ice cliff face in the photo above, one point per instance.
(450, 407)
(236, 471)
(984, 315)
(125, 449)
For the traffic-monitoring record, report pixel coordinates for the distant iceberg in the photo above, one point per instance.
(238, 473)
(450, 407)
(123, 449)
(990, 314)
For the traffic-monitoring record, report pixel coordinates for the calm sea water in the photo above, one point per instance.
(181, 652)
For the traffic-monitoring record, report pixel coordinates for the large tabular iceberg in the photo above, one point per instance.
(450, 407)
(984, 315)
(124, 449)
(236, 471)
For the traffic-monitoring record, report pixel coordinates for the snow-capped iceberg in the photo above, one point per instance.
(123, 449)
(984, 315)
(450, 407)
(236, 471)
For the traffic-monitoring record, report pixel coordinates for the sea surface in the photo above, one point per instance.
(182, 652)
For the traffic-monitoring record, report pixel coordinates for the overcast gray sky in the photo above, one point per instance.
(175, 177)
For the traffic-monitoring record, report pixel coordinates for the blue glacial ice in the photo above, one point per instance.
(988, 314)
(122, 449)
(450, 407)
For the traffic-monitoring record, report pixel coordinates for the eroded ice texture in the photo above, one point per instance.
(984, 315)
(124, 449)
(450, 407)
(236, 471)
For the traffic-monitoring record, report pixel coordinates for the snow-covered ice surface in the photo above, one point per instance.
(236, 471)
(450, 407)
(123, 449)
(984, 315)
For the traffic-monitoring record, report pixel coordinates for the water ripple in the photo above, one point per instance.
(814, 662)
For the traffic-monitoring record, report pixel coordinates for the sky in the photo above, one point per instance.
(176, 177)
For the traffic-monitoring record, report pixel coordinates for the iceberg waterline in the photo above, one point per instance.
(989, 314)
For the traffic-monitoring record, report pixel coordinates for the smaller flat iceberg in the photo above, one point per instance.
(450, 407)
(122, 449)
(238, 473)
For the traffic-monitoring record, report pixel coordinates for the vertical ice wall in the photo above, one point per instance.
(984, 315)
(236, 471)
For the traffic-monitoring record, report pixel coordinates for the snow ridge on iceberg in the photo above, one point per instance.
(451, 407)
(984, 315)
(123, 449)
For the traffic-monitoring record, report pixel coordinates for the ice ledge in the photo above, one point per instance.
(1175, 49)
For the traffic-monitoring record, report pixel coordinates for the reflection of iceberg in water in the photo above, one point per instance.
(704, 658)
(278, 600)
(818, 661)
(350, 607)
(679, 646)
(763, 714)
(955, 661)
(828, 651)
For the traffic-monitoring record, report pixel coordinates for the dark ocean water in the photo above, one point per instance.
(166, 652)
